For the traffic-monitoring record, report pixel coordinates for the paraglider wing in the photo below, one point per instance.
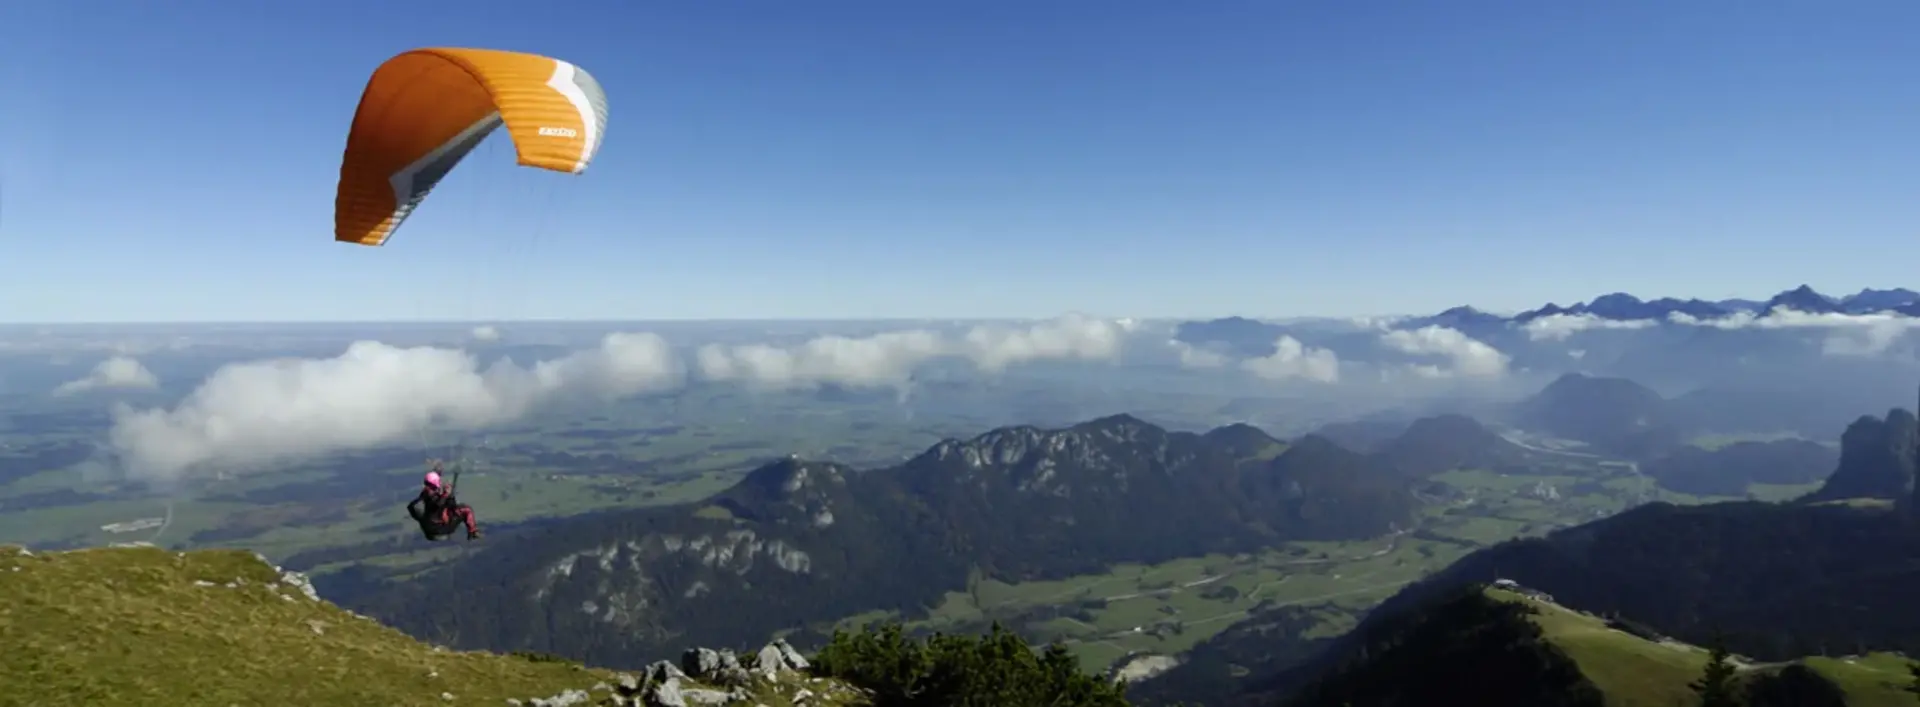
(426, 109)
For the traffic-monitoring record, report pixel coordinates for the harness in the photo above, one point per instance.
(438, 520)
(442, 503)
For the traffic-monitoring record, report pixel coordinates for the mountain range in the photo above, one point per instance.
(1622, 307)
(1796, 374)
(1252, 337)
(1621, 418)
(796, 546)
(1770, 582)
(796, 543)
(1829, 573)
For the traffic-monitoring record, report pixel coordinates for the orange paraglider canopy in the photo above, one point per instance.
(425, 109)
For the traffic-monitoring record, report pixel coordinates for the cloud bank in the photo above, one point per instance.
(1560, 327)
(259, 412)
(1292, 359)
(888, 360)
(1862, 335)
(1846, 334)
(251, 414)
(118, 372)
(1191, 356)
(1467, 357)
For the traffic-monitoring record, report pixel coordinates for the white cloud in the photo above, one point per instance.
(1469, 357)
(116, 372)
(889, 359)
(1847, 334)
(1381, 323)
(1070, 337)
(485, 333)
(1193, 357)
(1560, 326)
(881, 360)
(265, 411)
(250, 414)
(1292, 359)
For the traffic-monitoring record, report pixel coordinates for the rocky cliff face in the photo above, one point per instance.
(1876, 459)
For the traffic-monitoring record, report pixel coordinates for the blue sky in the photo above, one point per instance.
(176, 161)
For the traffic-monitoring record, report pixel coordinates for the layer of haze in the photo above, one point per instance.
(257, 411)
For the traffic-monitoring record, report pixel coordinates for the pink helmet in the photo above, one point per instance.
(433, 479)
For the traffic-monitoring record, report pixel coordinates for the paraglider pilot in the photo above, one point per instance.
(436, 510)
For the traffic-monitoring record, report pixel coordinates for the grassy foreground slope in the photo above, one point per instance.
(1632, 671)
(148, 626)
(1497, 648)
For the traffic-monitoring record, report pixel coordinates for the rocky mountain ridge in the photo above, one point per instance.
(1620, 306)
(1616, 307)
(798, 544)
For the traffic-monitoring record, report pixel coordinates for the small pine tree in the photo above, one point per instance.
(1715, 686)
(1913, 678)
(998, 669)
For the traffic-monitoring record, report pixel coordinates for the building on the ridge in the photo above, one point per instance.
(1515, 587)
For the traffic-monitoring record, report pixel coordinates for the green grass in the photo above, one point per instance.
(1634, 672)
(1874, 680)
(1338, 588)
(1268, 451)
(1338, 581)
(1782, 492)
(1629, 670)
(1176, 605)
(148, 626)
(56, 524)
(136, 625)
(1864, 503)
(1478, 530)
(1716, 441)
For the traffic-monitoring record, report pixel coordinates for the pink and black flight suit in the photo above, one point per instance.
(438, 513)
